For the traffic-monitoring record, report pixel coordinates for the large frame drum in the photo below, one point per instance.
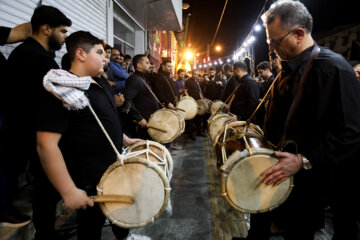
(242, 186)
(215, 106)
(244, 154)
(216, 124)
(168, 120)
(141, 179)
(203, 106)
(189, 107)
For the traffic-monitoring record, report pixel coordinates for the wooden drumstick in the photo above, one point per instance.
(186, 93)
(112, 198)
(180, 109)
(152, 127)
(157, 129)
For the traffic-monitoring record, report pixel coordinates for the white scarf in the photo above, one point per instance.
(68, 87)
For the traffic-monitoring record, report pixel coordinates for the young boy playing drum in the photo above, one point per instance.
(73, 149)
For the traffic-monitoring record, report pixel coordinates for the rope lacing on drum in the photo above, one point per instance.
(167, 189)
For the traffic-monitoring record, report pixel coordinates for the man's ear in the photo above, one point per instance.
(80, 54)
(300, 34)
(46, 29)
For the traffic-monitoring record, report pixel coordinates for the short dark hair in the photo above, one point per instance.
(180, 71)
(80, 39)
(107, 47)
(50, 16)
(227, 67)
(212, 69)
(263, 65)
(240, 65)
(166, 61)
(138, 58)
(126, 57)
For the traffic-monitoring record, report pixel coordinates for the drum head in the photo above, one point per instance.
(146, 184)
(217, 124)
(167, 120)
(158, 154)
(215, 106)
(189, 105)
(245, 190)
(203, 106)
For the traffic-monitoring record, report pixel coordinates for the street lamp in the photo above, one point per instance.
(218, 48)
(189, 55)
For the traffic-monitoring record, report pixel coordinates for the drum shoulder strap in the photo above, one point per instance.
(300, 90)
(148, 87)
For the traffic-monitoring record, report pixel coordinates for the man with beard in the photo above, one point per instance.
(215, 85)
(117, 72)
(26, 67)
(137, 93)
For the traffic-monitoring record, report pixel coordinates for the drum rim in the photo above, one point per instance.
(229, 165)
(216, 116)
(212, 104)
(193, 100)
(236, 123)
(145, 162)
(180, 130)
(154, 143)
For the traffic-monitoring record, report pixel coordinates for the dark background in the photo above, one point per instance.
(240, 15)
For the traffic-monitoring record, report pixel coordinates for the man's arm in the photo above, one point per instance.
(19, 33)
(55, 168)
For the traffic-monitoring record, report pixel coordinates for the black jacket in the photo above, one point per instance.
(213, 90)
(246, 98)
(143, 103)
(165, 88)
(193, 87)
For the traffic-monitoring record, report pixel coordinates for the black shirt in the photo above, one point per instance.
(263, 87)
(86, 150)
(326, 124)
(193, 87)
(229, 88)
(143, 103)
(214, 90)
(246, 98)
(4, 35)
(165, 88)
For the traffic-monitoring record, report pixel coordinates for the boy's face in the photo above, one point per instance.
(95, 61)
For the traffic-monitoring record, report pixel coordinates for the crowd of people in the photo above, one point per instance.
(311, 111)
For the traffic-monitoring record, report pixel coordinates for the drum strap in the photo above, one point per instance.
(148, 87)
(199, 89)
(299, 93)
(172, 91)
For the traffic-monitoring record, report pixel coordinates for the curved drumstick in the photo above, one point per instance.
(157, 129)
(112, 198)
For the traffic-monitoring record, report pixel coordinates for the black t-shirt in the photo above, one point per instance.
(86, 150)
(4, 34)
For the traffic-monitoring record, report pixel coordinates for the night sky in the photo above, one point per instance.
(240, 15)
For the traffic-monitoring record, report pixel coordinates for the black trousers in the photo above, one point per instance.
(90, 220)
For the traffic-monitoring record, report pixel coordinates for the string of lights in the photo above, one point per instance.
(242, 52)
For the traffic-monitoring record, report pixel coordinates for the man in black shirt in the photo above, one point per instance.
(265, 73)
(246, 96)
(8, 216)
(215, 85)
(323, 134)
(73, 150)
(137, 93)
(164, 87)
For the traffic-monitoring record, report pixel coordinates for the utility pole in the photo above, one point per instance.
(208, 51)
